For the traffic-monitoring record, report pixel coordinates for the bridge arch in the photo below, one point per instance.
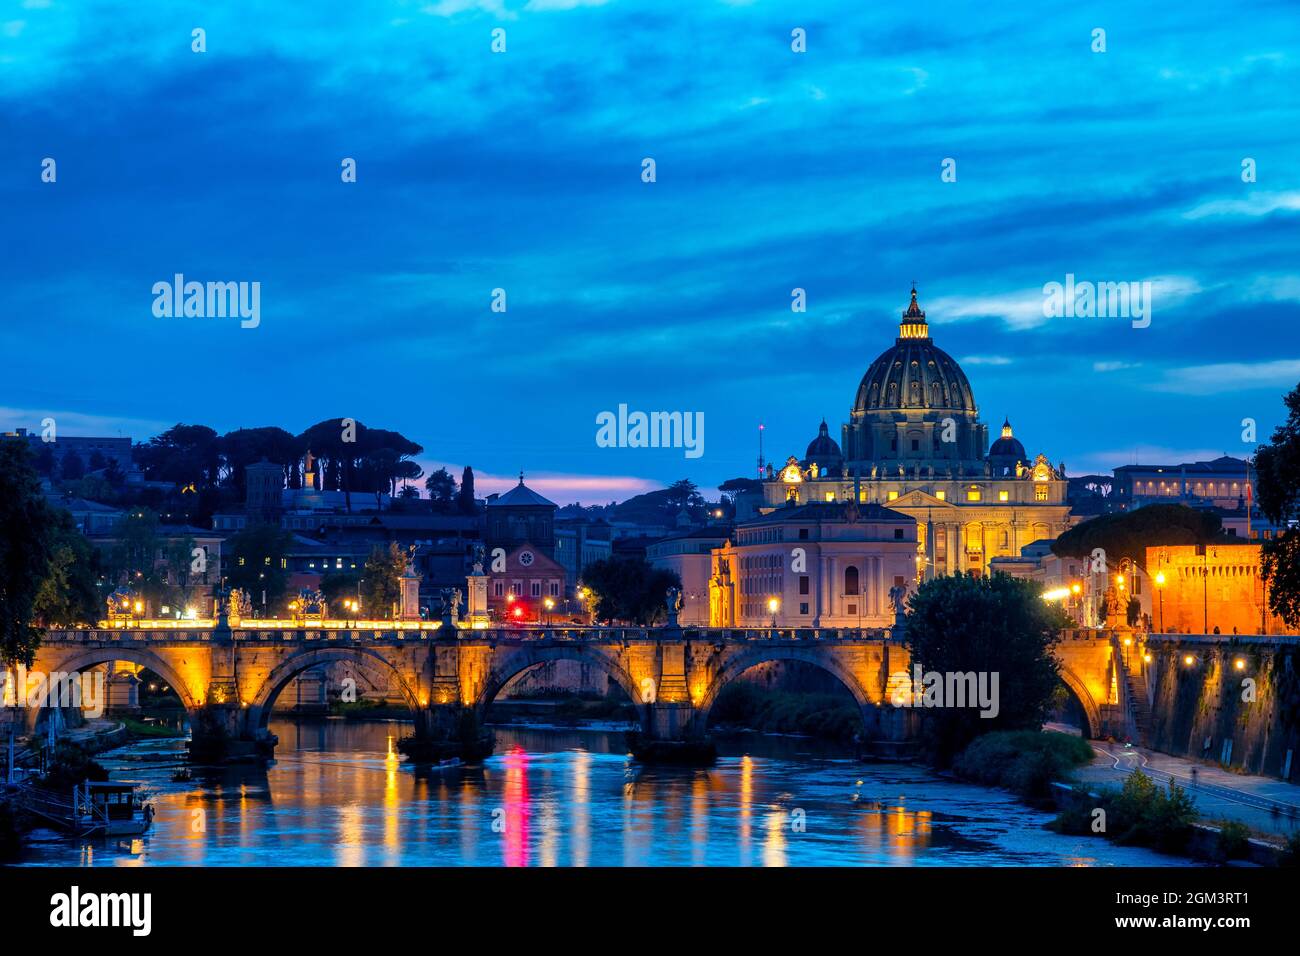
(744, 660)
(259, 711)
(106, 655)
(514, 662)
(1080, 691)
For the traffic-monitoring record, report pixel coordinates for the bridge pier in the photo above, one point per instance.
(447, 731)
(221, 732)
(673, 733)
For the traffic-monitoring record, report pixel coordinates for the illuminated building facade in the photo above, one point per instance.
(914, 443)
(819, 564)
(1195, 589)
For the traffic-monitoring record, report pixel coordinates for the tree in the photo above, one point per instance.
(465, 502)
(255, 565)
(337, 585)
(441, 487)
(409, 493)
(72, 467)
(113, 474)
(994, 625)
(184, 455)
(246, 446)
(1128, 534)
(45, 461)
(1277, 470)
(97, 461)
(133, 560)
(25, 552)
(381, 585)
(629, 589)
(69, 594)
(684, 494)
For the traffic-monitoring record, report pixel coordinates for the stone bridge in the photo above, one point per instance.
(228, 679)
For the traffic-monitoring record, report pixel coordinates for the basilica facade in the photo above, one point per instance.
(914, 443)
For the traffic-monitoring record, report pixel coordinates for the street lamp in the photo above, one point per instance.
(1160, 589)
(549, 604)
(774, 605)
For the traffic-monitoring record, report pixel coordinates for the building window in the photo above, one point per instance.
(916, 444)
(850, 581)
(851, 610)
(536, 589)
(555, 589)
(1040, 493)
(893, 496)
(830, 496)
(973, 494)
(498, 588)
(803, 607)
(898, 534)
(1004, 496)
(941, 495)
(803, 584)
(803, 534)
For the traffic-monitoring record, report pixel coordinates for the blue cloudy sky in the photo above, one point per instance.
(521, 170)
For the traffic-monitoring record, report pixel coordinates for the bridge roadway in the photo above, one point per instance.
(228, 678)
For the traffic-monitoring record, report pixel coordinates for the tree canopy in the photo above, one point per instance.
(1128, 534)
(989, 625)
(1277, 470)
(629, 589)
(26, 552)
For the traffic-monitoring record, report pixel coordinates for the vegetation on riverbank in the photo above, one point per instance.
(138, 728)
(1138, 813)
(1027, 762)
(828, 716)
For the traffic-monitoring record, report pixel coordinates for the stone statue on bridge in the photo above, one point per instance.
(674, 595)
(897, 597)
(450, 606)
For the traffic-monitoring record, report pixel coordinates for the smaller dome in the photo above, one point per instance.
(1007, 452)
(823, 451)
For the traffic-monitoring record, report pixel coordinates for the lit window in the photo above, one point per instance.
(893, 496)
(1004, 495)
(830, 496)
(1040, 493)
(973, 494)
(941, 495)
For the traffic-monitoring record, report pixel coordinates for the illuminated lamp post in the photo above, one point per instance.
(549, 604)
(774, 605)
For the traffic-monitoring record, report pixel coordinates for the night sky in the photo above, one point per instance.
(522, 171)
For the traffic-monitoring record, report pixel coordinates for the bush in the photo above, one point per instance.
(70, 766)
(1026, 761)
(1291, 855)
(1233, 842)
(1139, 813)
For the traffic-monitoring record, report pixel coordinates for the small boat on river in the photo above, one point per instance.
(95, 809)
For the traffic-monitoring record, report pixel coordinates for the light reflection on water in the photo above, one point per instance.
(336, 796)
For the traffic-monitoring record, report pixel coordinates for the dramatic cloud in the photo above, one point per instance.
(522, 171)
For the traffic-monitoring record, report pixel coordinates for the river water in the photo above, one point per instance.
(568, 797)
